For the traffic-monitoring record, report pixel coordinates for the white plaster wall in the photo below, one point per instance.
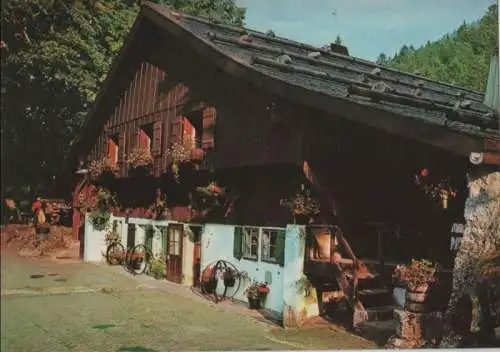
(187, 257)
(94, 243)
(157, 242)
(217, 244)
(295, 303)
(121, 229)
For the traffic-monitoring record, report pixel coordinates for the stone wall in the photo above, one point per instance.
(481, 236)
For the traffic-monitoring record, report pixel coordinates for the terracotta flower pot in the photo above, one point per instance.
(254, 303)
(263, 289)
(229, 281)
(209, 286)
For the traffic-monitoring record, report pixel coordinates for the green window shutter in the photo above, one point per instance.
(148, 240)
(238, 242)
(164, 238)
(280, 247)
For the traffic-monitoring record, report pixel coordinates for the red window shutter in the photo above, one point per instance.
(112, 151)
(176, 129)
(207, 138)
(157, 135)
(143, 140)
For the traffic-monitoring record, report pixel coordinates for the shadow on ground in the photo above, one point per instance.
(136, 349)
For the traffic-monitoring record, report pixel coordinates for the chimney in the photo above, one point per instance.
(339, 49)
(492, 94)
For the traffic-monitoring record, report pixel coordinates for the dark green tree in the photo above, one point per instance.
(461, 58)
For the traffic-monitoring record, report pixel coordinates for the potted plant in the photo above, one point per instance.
(418, 276)
(158, 266)
(208, 280)
(256, 293)
(140, 160)
(302, 206)
(98, 205)
(434, 188)
(229, 277)
(212, 193)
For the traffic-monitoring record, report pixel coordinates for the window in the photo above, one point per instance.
(144, 136)
(246, 243)
(273, 245)
(250, 243)
(271, 241)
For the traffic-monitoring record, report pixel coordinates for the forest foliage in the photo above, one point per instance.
(462, 57)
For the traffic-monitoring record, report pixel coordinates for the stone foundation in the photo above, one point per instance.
(415, 330)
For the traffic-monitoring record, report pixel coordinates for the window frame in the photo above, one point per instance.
(269, 259)
(244, 254)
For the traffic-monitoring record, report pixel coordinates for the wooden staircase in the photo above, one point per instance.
(364, 296)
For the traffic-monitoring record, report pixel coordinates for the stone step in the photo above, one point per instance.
(378, 330)
(376, 297)
(381, 313)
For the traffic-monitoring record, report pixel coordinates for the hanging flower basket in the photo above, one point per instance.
(229, 277)
(211, 190)
(438, 190)
(303, 206)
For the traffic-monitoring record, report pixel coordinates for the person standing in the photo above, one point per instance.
(35, 207)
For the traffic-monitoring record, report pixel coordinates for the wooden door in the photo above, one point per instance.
(174, 252)
(196, 255)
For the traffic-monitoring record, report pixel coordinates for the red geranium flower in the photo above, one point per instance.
(424, 172)
(214, 188)
(263, 289)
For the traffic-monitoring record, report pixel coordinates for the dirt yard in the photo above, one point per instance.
(23, 240)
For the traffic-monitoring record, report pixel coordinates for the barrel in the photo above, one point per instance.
(416, 302)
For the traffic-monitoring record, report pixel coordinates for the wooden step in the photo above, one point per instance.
(377, 291)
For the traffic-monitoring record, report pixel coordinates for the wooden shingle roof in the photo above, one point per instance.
(344, 77)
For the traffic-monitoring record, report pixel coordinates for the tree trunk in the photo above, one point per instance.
(481, 236)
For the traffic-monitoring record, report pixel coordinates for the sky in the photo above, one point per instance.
(367, 27)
